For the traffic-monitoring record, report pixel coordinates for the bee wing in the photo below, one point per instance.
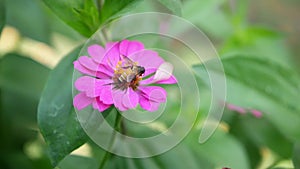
(130, 77)
(163, 72)
(128, 60)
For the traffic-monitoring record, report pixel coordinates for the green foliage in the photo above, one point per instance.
(227, 152)
(262, 134)
(172, 5)
(269, 87)
(56, 116)
(116, 8)
(29, 18)
(78, 162)
(85, 17)
(21, 83)
(296, 155)
(80, 15)
(2, 15)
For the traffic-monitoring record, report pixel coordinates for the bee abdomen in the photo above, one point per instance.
(123, 76)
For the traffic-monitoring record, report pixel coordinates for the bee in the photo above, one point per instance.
(127, 74)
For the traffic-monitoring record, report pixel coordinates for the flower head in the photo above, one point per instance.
(121, 74)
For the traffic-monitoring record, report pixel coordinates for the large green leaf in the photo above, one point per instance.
(263, 85)
(78, 162)
(21, 83)
(56, 117)
(296, 155)
(82, 15)
(2, 15)
(29, 18)
(168, 160)
(172, 5)
(116, 8)
(258, 133)
(221, 149)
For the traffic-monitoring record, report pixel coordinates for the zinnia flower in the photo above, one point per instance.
(115, 75)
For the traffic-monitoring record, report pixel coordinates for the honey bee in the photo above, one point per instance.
(127, 74)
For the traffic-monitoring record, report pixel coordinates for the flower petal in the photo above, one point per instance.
(129, 47)
(148, 105)
(163, 72)
(96, 52)
(256, 113)
(147, 58)
(130, 99)
(99, 105)
(112, 55)
(106, 95)
(91, 86)
(105, 69)
(238, 109)
(83, 69)
(171, 80)
(118, 97)
(154, 93)
(88, 63)
(81, 101)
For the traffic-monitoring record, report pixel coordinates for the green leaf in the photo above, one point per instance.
(29, 18)
(263, 85)
(198, 13)
(21, 83)
(172, 5)
(2, 15)
(252, 41)
(163, 161)
(56, 117)
(78, 162)
(115, 8)
(259, 133)
(296, 155)
(22, 75)
(221, 149)
(82, 15)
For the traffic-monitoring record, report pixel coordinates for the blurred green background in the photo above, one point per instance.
(33, 40)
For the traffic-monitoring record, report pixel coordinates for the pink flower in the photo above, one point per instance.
(114, 76)
(241, 110)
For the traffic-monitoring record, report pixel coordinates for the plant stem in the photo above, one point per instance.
(117, 127)
(99, 5)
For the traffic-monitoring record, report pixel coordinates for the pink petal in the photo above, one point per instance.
(83, 69)
(238, 109)
(106, 95)
(81, 101)
(256, 113)
(99, 105)
(112, 55)
(154, 93)
(148, 105)
(147, 58)
(163, 72)
(130, 99)
(171, 80)
(118, 99)
(88, 63)
(91, 86)
(105, 69)
(129, 47)
(96, 52)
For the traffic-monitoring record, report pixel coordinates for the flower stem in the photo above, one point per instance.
(117, 127)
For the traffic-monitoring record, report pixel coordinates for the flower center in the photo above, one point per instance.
(127, 74)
